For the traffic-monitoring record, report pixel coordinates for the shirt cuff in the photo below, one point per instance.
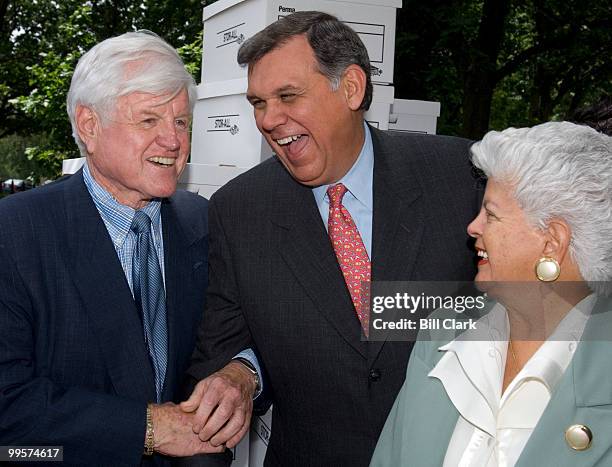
(249, 355)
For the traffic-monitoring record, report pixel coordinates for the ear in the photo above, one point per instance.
(558, 235)
(354, 86)
(88, 126)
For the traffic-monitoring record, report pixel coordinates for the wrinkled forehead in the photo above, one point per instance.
(174, 102)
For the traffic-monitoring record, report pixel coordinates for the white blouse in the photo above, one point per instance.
(493, 428)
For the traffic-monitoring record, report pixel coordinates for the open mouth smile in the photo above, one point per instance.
(482, 254)
(162, 161)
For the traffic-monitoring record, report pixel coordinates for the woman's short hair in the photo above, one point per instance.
(132, 62)
(559, 170)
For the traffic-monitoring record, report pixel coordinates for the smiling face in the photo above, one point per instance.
(507, 245)
(140, 152)
(317, 133)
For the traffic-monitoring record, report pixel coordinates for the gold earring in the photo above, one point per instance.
(547, 269)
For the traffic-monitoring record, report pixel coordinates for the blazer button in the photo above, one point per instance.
(579, 437)
(374, 374)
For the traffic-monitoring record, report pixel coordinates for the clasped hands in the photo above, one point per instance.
(216, 415)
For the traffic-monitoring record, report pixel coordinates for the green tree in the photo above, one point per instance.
(44, 41)
(500, 63)
(13, 160)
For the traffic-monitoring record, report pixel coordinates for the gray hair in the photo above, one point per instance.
(102, 75)
(559, 170)
(335, 45)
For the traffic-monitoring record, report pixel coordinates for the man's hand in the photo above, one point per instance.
(173, 433)
(223, 404)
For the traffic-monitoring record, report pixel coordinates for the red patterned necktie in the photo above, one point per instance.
(350, 250)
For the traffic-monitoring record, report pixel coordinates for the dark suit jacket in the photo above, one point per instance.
(74, 370)
(275, 285)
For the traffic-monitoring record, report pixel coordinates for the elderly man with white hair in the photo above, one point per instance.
(104, 273)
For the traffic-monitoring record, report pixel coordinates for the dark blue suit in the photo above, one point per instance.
(74, 370)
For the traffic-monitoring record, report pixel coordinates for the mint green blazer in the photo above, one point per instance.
(422, 420)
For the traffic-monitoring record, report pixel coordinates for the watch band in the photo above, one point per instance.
(150, 434)
(253, 371)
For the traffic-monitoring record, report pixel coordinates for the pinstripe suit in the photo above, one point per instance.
(275, 286)
(74, 369)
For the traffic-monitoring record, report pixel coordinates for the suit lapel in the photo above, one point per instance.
(584, 396)
(104, 290)
(178, 234)
(306, 249)
(397, 224)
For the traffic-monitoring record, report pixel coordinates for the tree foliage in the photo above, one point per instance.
(500, 63)
(491, 63)
(41, 44)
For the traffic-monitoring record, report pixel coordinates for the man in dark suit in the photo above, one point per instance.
(103, 274)
(281, 286)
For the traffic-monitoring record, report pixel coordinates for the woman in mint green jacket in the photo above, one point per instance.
(532, 385)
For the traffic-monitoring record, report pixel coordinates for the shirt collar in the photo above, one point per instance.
(551, 360)
(116, 216)
(472, 367)
(359, 179)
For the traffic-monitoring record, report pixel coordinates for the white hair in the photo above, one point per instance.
(559, 170)
(103, 74)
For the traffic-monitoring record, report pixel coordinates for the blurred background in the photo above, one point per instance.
(490, 63)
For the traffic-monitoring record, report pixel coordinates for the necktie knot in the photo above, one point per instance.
(335, 194)
(141, 223)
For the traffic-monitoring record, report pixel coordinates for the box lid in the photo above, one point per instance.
(388, 3)
(221, 5)
(223, 88)
(413, 107)
(209, 174)
(70, 166)
(383, 93)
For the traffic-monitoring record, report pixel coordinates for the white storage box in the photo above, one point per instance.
(414, 116)
(240, 454)
(224, 130)
(261, 429)
(197, 178)
(380, 109)
(228, 23)
(70, 166)
(206, 179)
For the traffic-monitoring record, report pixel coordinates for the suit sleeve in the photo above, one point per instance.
(35, 410)
(223, 331)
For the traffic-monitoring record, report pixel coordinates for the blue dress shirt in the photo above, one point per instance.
(359, 199)
(118, 219)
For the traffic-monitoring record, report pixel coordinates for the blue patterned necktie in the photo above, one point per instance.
(150, 297)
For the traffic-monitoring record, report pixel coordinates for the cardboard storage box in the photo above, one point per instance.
(228, 23)
(261, 430)
(224, 130)
(70, 166)
(205, 179)
(380, 109)
(414, 116)
(197, 178)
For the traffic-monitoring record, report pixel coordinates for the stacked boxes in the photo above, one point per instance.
(224, 130)
(206, 179)
(414, 116)
(225, 140)
(228, 23)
